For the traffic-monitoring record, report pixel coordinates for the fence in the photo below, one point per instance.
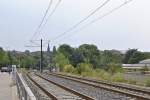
(23, 90)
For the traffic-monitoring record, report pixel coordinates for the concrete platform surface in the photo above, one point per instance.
(8, 90)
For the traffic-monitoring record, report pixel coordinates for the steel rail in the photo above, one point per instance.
(118, 89)
(67, 89)
(113, 84)
(53, 97)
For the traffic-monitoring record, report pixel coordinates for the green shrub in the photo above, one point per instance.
(114, 68)
(132, 81)
(84, 67)
(94, 74)
(148, 82)
(106, 76)
(118, 77)
(68, 68)
(144, 69)
(85, 74)
(76, 71)
(100, 73)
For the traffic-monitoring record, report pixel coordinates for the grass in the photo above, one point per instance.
(86, 70)
(118, 77)
(148, 82)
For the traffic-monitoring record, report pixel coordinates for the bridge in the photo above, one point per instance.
(34, 85)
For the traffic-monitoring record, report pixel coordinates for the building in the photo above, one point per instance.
(140, 65)
(147, 61)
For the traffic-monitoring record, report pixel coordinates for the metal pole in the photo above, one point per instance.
(41, 64)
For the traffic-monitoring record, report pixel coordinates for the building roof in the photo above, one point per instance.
(135, 65)
(147, 61)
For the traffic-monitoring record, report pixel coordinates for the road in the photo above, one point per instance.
(7, 89)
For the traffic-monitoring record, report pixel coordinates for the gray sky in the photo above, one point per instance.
(126, 28)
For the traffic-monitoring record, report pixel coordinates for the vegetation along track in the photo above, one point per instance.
(54, 91)
(129, 91)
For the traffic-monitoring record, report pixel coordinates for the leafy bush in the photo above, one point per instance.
(118, 77)
(132, 81)
(85, 74)
(106, 76)
(145, 68)
(100, 74)
(61, 60)
(68, 68)
(84, 67)
(148, 82)
(113, 68)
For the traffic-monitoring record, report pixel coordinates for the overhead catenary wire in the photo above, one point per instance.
(102, 16)
(53, 11)
(84, 19)
(45, 14)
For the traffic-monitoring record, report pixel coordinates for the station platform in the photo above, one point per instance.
(8, 90)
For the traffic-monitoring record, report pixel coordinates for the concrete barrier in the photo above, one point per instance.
(24, 92)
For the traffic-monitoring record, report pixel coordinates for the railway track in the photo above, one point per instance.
(55, 91)
(113, 84)
(39, 94)
(143, 90)
(133, 92)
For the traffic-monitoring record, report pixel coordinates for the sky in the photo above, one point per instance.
(125, 28)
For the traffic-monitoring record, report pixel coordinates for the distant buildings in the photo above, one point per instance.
(140, 65)
(147, 61)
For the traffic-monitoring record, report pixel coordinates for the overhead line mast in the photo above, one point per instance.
(41, 64)
(41, 52)
(36, 32)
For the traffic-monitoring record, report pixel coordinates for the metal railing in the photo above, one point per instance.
(24, 92)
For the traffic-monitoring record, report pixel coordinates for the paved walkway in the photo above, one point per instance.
(7, 88)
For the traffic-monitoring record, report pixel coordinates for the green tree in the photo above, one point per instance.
(66, 50)
(76, 57)
(90, 53)
(136, 57)
(61, 60)
(84, 67)
(2, 54)
(111, 56)
(114, 68)
(27, 62)
(128, 55)
(4, 61)
(54, 50)
(69, 68)
(144, 69)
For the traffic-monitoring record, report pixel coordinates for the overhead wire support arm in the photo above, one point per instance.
(31, 46)
(41, 51)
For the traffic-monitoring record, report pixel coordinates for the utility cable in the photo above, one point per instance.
(76, 25)
(53, 11)
(104, 15)
(39, 26)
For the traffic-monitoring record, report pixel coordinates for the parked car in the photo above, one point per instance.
(5, 69)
